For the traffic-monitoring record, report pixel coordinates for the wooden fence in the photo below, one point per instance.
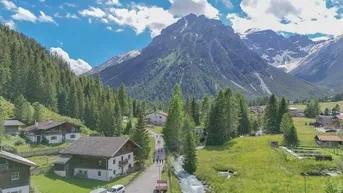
(52, 151)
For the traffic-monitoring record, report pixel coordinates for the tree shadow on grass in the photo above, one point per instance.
(81, 182)
(221, 147)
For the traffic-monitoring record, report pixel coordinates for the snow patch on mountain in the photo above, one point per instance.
(263, 85)
(238, 85)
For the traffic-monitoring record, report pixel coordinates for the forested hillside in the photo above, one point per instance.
(27, 69)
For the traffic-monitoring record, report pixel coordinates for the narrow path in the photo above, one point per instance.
(146, 182)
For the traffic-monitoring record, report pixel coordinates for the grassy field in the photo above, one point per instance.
(323, 106)
(157, 129)
(52, 183)
(260, 168)
(43, 161)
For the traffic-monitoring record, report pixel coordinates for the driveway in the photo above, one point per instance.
(146, 182)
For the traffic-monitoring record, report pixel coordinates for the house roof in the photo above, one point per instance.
(96, 146)
(43, 126)
(16, 158)
(13, 123)
(161, 113)
(339, 117)
(329, 138)
(62, 159)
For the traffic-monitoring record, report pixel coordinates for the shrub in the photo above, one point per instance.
(9, 148)
(44, 141)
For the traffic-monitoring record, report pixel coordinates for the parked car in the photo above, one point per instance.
(117, 189)
(99, 190)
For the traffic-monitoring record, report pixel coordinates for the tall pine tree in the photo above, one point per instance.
(243, 120)
(205, 109)
(141, 137)
(271, 116)
(38, 112)
(189, 147)
(282, 109)
(195, 112)
(123, 100)
(172, 129)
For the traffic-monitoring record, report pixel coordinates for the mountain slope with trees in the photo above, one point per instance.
(203, 56)
(29, 74)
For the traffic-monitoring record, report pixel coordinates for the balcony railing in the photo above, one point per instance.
(123, 163)
(4, 167)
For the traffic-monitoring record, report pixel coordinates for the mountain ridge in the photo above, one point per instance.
(202, 55)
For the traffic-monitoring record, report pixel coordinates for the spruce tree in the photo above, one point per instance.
(282, 109)
(38, 112)
(26, 113)
(326, 112)
(243, 123)
(123, 100)
(189, 147)
(92, 114)
(205, 109)
(172, 129)
(271, 116)
(18, 107)
(2, 126)
(231, 110)
(118, 118)
(107, 124)
(195, 112)
(290, 138)
(217, 126)
(141, 137)
(128, 128)
(286, 123)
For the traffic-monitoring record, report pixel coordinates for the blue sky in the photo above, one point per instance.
(92, 31)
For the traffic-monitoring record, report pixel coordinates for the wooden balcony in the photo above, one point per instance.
(123, 163)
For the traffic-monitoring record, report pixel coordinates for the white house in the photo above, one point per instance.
(53, 132)
(157, 118)
(98, 158)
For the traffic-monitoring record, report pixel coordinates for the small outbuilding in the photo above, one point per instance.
(12, 127)
(157, 118)
(329, 141)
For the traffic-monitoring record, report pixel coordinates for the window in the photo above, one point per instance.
(114, 172)
(129, 156)
(53, 138)
(72, 136)
(120, 188)
(160, 117)
(99, 173)
(129, 166)
(122, 158)
(15, 176)
(100, 162)
(114, 161)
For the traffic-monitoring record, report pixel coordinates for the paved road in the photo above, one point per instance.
(146, 182)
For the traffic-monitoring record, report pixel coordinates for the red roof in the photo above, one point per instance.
(163, 113)
(329, 138)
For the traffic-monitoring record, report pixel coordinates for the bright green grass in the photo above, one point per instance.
(323, 106)
(260, 168)
(157, 129)
(43, 161)
(52, 183)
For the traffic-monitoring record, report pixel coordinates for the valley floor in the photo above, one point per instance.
(261, 168)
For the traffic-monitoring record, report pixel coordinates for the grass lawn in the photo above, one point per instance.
(261, 168)
(43, 161)
(323, 106)
(51, 183)
(157, 129)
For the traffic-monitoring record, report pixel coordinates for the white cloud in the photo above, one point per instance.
(104, 20)
(10, 24)
(68, 16)
(89, 20)
(71, 16)
(8, 4)
(46, 18)
(109, 2)
(119, 30)
(78, 66)
(228, 4)
(42, 1)
(198, 7)
(109, 28)
(93, 12)
(70, 4)
(24, 15)
(303, 17)
(141, 17)
(321, 38)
